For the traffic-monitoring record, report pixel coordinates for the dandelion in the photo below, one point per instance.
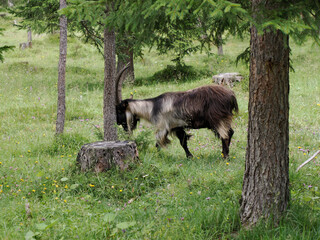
(36, 162)
(57, 185)
(21, 180)
(66, 186)
(33, 190)
(29, 151)
(0, 163)
(112, 186)
(120, 190)
(62, 169)
(190, 193)
(227, 163)
(65, 200)
(56, 198)
(44, 135)
(91, 185)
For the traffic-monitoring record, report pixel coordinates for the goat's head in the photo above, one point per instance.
(124, 116)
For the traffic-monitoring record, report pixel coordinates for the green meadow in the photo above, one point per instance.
(43, 195)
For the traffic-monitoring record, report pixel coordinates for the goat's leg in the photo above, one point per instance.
(183, 137)
(162, 138)
(226, 143)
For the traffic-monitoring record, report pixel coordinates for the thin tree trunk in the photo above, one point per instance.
(122, 61)
(29, 38)
(109, 97)
(265, 192)
(61, 108)
(220, 48)
(10, 4)
(131, 67)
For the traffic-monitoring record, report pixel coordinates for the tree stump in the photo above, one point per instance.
(227, 78)
(102, 156)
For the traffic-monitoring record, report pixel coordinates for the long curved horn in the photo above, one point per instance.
(119, 82)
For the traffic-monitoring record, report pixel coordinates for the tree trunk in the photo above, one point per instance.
(122, 61)
(220, 48)
(29, 37)
(109, 97)
(10, 4)
(61, 108)
(265, 192)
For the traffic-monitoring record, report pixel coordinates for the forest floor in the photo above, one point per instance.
(43, 195)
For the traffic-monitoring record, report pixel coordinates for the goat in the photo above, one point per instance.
(209, 107)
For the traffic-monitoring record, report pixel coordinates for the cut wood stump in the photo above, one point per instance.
(227, 78)
(104, 155)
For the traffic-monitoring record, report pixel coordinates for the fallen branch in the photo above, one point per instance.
(313, 156)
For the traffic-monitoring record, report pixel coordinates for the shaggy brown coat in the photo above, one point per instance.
(209, 107)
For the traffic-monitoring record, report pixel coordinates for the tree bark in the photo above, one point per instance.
(265, 192)
(10, 4)
(122, 61)
(29, 37)
(61, 108)
(102, 156)
(220, 47)
(109, 97)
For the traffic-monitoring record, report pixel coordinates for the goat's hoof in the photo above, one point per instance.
(189, 156)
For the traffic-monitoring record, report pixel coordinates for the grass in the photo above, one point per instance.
(45, 196)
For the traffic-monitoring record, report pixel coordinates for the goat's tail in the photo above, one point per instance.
(234, 104)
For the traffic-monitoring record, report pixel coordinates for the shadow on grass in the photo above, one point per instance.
(174, 73)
